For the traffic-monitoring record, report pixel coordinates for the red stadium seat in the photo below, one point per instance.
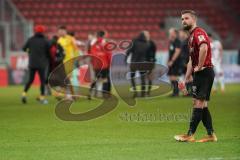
(123, 18)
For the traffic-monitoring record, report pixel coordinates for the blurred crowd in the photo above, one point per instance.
(45, 55)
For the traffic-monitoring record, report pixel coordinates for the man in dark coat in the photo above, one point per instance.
(174, 60)
(142, 51)
(38, 50)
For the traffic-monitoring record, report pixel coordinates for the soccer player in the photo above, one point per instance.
(102, 72)
(217, 53)
(200, 65)
(70, 49)
(174, 60)
(69, 46)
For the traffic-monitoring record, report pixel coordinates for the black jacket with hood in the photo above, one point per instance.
(142, 50)
(38, 49)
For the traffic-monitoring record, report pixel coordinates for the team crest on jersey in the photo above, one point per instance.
(201, 38)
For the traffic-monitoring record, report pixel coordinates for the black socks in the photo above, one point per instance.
(199, 114)
(175, 88)
(196, 118)
(207, 121)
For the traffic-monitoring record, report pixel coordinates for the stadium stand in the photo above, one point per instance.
(123, 18)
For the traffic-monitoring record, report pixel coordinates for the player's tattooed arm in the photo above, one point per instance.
(202, 56)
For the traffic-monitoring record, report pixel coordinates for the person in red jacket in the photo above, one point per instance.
(101, 60)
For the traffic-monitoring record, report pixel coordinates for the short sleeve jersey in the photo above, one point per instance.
(197, 37)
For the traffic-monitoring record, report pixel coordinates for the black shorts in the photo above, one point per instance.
(202, 84)
(104, 73)
(175, 70)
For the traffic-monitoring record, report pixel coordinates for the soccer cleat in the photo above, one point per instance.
(44, 101)
(208, 138)
(24, 99)
(184, 138)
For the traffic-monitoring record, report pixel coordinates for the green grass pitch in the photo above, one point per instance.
(33, 132)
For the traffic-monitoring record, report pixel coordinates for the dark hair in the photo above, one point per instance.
(62, 27)
(192, 12)
(141, 36)
(54, 39)
(71, 33)
(100, 34)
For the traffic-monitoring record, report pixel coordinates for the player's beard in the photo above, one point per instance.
(187, 27)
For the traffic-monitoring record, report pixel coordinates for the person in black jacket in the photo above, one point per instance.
(174, 60)
(142, 51)
(184, 56)
(38, 50)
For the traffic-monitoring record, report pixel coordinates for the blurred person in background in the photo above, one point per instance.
(142, 50)
(102, 79)
(68, 42)
(217, 55)
(77, 42)
(70, 48)
(37, 48)
(76, 65)
(92, 38)
(184, 55)
(174, 60)
(57, 55)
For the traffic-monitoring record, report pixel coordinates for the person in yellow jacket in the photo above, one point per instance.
(68, 43)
